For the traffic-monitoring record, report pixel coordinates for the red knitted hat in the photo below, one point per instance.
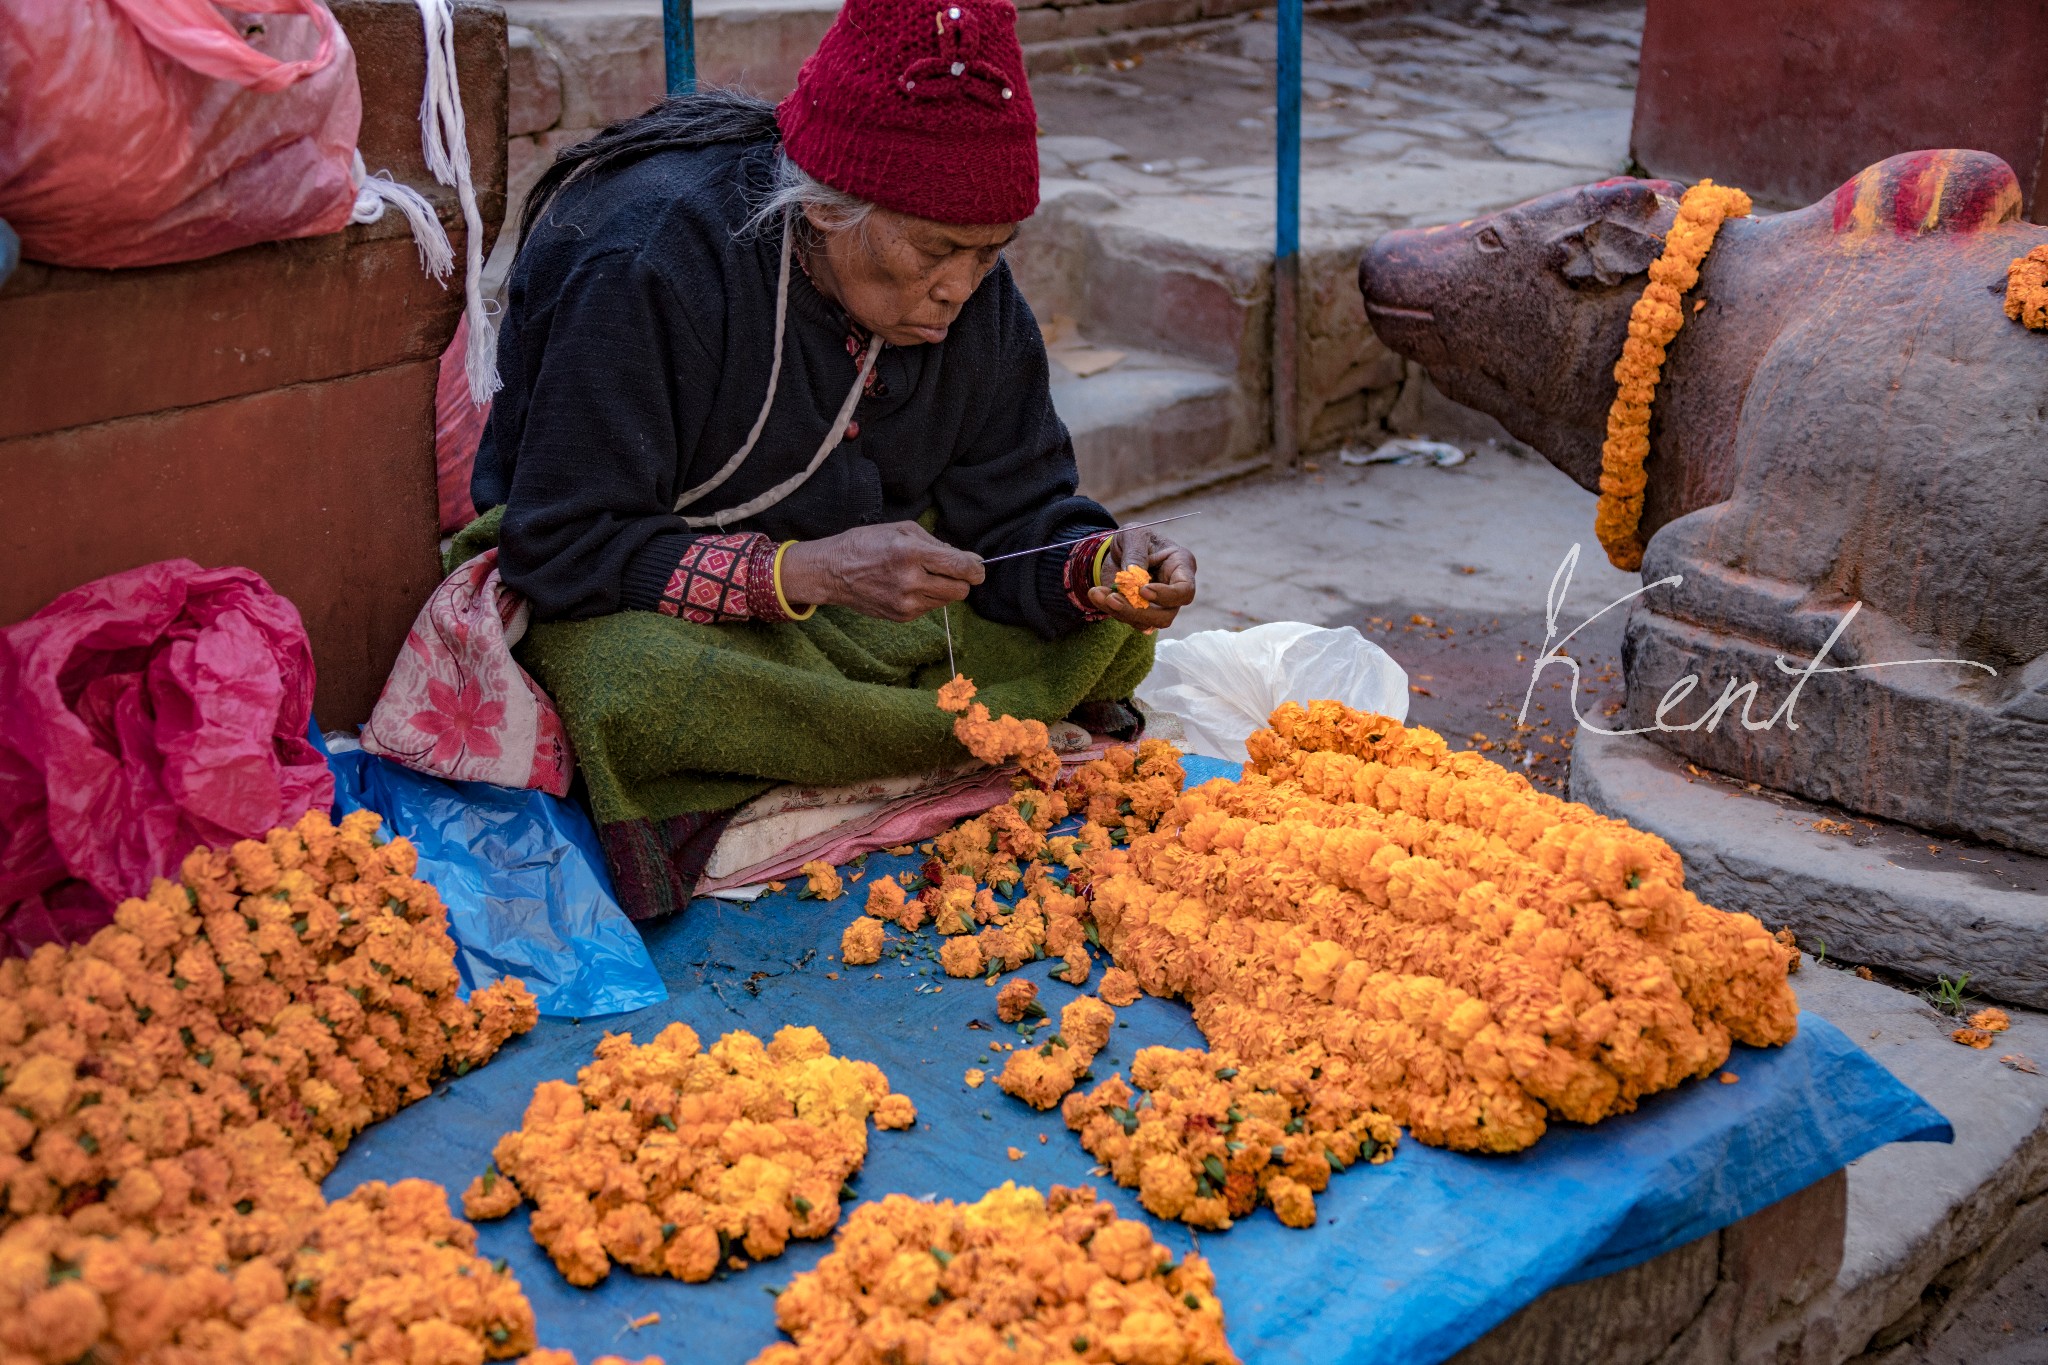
(920, 106)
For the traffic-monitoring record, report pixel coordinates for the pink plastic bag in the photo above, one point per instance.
(138, 132)
(143, 715)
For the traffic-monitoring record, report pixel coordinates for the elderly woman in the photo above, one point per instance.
(772, 407)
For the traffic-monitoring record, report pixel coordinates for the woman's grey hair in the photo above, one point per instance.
(815, 204)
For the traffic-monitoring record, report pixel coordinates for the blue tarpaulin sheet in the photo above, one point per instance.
(524, 881)
(1410, 1261)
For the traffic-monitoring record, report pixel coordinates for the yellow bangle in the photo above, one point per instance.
(1095, 573)
(787, 610)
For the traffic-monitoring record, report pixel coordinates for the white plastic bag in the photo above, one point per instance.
(1222, 684)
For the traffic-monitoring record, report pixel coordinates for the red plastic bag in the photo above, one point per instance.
(142, 715)
(459, 422)
(138, 132)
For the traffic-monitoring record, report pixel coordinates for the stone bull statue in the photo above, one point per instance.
(1847, 418)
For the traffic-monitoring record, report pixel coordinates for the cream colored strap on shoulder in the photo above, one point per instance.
(764, 501)
(739, 457)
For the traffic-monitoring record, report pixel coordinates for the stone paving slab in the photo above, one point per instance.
(1325, 544)
(1931, 1225)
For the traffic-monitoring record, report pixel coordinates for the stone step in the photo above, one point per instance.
(1181, 262)
(1153, 427)
(1871, 1271)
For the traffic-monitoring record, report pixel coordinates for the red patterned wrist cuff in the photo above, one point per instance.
(723, 578)
(1080, 575)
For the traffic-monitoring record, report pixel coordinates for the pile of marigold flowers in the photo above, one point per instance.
(1207, 1138)
(385, 1274)
(670, 1159)
(175, 1087)
(1041, 1075)
(1011, 850)
(1983, 1024)
(1015, 1275)
(1480, 955)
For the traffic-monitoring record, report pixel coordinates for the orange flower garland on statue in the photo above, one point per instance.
(2026, 289)
(1652, 324)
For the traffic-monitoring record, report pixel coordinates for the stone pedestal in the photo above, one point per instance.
(1850, 888)
(271, 407)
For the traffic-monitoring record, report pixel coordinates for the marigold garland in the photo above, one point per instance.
(1652, 324)
(670, 1159)
(172, 1091)
(1481, 954)
(2026, 289)
(1014, 1275)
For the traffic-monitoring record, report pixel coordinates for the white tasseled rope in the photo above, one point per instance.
(445, 141)
(763, 501)
(375, 193)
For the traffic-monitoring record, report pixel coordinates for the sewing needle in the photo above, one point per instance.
(1063, 544)
(946, 615)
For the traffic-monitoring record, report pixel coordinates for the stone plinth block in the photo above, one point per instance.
(1746, 851)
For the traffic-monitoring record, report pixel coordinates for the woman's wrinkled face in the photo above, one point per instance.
(903, 278)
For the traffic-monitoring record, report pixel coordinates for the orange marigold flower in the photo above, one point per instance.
(1015, 1000)
(954, 695)
(1991, 1020)
(824, 883)
(1118, 987)
(895, 1111)
(1130, 582)
(861, 944)
(961, 956)
(2026, 289)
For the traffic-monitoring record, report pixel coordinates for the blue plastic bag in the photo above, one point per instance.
(524, 882)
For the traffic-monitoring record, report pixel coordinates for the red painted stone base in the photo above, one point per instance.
(1789, 98)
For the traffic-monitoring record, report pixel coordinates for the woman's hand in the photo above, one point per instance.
(1173, 579)
(897, 571)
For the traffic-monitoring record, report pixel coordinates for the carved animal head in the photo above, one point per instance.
(1560, 272)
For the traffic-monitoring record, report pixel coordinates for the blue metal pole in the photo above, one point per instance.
(1287, 241)
(679, 45)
